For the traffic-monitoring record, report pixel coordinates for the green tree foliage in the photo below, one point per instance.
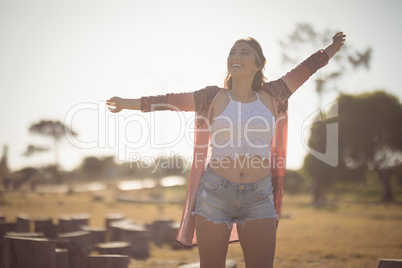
(95, 168)
(370, 138)
(173, 165)
(397, 173)
(19, 177)
(294, 183)
(33, 149)
(371, 134)
(4, 169)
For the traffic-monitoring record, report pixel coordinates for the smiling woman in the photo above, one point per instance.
(228, 202)
(251, 52)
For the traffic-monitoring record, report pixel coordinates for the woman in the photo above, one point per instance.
(236, 181)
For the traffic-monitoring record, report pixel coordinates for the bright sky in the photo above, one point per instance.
(61, 59)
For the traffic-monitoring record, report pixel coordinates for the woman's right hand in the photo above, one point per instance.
(115, 104)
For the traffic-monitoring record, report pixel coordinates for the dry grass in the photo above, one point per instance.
(343, 235)
(340, 235)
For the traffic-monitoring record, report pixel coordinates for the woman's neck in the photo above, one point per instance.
(242, 89)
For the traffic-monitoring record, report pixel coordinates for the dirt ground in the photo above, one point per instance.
(342, 234)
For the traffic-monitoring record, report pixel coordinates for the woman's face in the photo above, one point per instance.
(241, 60)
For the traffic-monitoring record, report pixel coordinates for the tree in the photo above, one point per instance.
(4, 170)
(94, 167)
(319, 171)
(19, 177)
(48, 128)
(370, 137)
(168, 166)
(33, 149)
(371, 134)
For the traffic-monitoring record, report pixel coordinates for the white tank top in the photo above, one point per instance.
(242, 129)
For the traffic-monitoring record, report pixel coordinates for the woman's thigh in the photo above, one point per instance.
(213, 240)
(258, 239)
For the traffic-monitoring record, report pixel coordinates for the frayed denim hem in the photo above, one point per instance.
(228, 223)
(244, 221)
(241, 222)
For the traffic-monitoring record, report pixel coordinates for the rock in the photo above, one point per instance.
(45, 225)
(138, 236)
(98, 234)
(108, 261)
(28, 235)
(114, 248)
(23, 224)
(114, 230)
(229, 264)
(78, 247)
(29, 252)
(390, 263)
(62, 258)
(158, 231)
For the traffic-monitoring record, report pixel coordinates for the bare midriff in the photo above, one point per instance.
(242, 169)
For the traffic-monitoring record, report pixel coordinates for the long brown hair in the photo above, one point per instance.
(259, 78)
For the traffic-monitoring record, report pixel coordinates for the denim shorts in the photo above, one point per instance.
(223, 201)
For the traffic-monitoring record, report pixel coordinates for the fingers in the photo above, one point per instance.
(113, 110)
(114, 104)
(339, 35)
(111, 105)
(109, 102)
(339, 38)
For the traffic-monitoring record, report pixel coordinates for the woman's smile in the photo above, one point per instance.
(242, 57)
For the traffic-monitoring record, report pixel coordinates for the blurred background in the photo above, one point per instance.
(60, 61)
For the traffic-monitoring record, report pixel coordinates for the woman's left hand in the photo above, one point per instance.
(338, 40)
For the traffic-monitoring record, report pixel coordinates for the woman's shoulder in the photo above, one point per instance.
(266, 99)
(222, 93)
(279, 93)
(204, 97)
(222, 97)
(276, 87)
(207, 90)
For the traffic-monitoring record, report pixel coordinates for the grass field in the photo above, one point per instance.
(342, 234)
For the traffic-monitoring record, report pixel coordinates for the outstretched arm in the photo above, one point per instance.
(116, 104)
(337, 41)
(296, 77)
(197, 101)
(171, 102)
